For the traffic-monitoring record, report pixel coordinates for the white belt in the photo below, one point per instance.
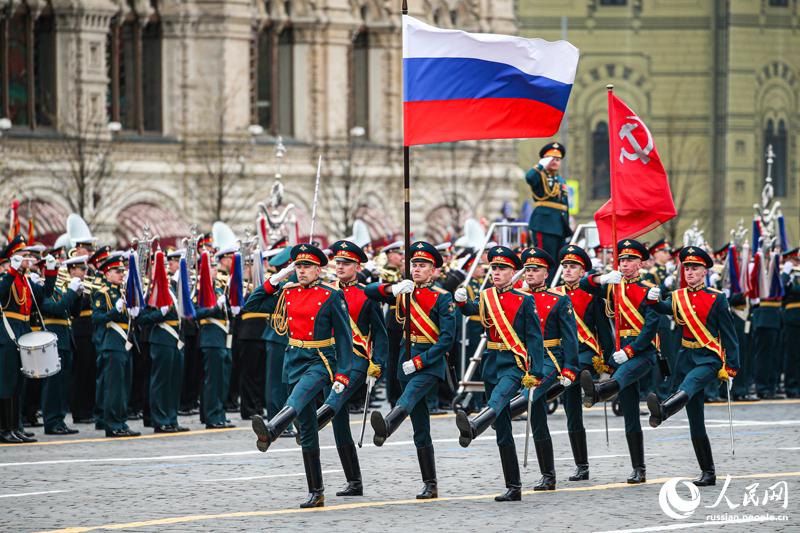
(122, 333)
(220, 324)
(169, 329)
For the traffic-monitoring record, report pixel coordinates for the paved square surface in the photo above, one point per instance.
(218, 481)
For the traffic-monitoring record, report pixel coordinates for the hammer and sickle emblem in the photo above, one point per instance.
(626, 132)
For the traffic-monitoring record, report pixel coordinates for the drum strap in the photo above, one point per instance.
(9, 331)
(169, 329)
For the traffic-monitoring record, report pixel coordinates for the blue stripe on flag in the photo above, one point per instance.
(454, 78)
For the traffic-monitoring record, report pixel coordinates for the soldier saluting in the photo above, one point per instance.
(513, 358)
(432, 314)
(709, 351)
(319, 354)
(549, 222)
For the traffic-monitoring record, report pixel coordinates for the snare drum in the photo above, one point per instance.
(38, 351)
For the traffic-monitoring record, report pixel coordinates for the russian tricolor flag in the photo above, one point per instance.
(461, 86)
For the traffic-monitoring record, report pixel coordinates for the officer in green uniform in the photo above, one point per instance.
(638, 323)
(432, 316)
(513, 358)
(661, 253)
(315, 317)
(259, 301)
(166, 365)
(767, 354)
(215, 345)
(110, 317)
(82, 403)
(549, 222)
(97, 333)
(58, 311)
(709, 351)
(790, 277)
(18, 298)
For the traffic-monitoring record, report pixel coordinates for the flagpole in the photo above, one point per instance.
(610, 89)
(407, 228)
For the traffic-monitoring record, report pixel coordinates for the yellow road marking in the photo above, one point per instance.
(361, 505)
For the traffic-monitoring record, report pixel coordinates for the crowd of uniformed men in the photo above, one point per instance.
(324, 337)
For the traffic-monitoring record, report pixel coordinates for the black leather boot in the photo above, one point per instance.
(384, 427)
(324, 415)
(547, 464)
(636, 450)
(555, 390)
(352, 471)
(597, 392)
(6, 435)
(427, 466)
(470, 429)
(660, 411)
(508, 458)
(269, 432)
(577, 441)
(518, 406)
(702, 449)
(316, 491)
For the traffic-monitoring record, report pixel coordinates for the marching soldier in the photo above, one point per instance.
(19, 298)
(513, 358)
(320, 348)
(392, 273)
(432, 314)
(658, 274)
(638, 323)
(58, 311)
(369, 349)
(557, 323)
(96, 333)
(111, 319)
(709, 351)
(549, 222)
(215, 345)
(594, 336)
(252, 359)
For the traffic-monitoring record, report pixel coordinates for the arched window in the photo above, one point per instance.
(134, 73)
(272, 79)
(359, 79)
(27, 66)
(601, 178)
(778, 138)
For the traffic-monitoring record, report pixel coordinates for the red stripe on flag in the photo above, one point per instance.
(436, 121)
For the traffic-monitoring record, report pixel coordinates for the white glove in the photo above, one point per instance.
(565, 381)
(460, 295)
(524, 285)
(787, 268)
(726, 292)
(409, 367)
(281, 275)
(369, 266)
(16, 261)
(669, 281)
(50, 262)
(221, 301)
(176, 276)
(35, 278)
(713, 279)
(755, 301)
(235, 310)
(120, 305)
(604, 376)
(402, 287)
(545, 161)
(654, 294)
(338, 387)
(371, 380)
(75, 284)
(134, 312)
(164, 310)
(620, 357)
(671, 266)
(613, 277)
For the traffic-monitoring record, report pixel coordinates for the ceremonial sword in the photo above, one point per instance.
(366, 406)
(314, 205)
(730, 415)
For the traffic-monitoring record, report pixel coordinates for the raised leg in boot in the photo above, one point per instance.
(384, 427)
(268, 432)
(660, 411)
(470, 429)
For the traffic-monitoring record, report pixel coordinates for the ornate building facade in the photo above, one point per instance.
(168, 112)
(715, 81)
